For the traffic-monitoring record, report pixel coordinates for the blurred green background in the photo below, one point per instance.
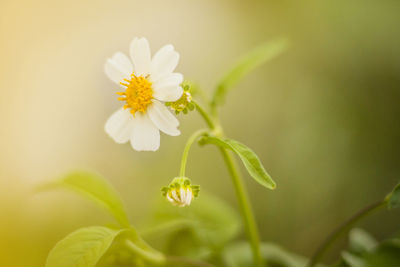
(323, 117)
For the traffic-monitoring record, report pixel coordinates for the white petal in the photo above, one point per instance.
(165, 111)
(163, 119)
(188, 197)
(174, 78)
(141, 56)
(119, 126)
(118, 67)
(182, 193)
(164, 62)
(170, 199)
(145, 135)
(169, 94)
(123, 62)
(175, 197)
(168, 88)
(165, 49)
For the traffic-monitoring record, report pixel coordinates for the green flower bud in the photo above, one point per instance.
(184, 103)
(180, 192)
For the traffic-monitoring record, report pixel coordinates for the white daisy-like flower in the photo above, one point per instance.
(181, 198)
(148, 82)
(180, 192)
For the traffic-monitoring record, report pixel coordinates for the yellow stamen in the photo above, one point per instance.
(138, 94)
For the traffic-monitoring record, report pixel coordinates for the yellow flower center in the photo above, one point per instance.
(138, 94)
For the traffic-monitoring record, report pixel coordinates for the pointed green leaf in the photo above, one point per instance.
(393, 199)
(248, 157)
(387, 254)
(249, 62)
(95, 188)
(239, 254)
(82, 248)
(205, 226)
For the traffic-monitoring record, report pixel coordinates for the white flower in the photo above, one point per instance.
(180, 192)
(180, 198)
(147, 83)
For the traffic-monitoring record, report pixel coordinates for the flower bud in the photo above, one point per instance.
(180, 192)
(184, 103)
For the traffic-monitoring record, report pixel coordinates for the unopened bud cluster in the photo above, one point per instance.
(180, 192)
(183, 104)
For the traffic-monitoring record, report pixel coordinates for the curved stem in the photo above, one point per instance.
(175, 259)
(158, 258)
(153, 257)
(319, 253)
(205, 115)
(245, 208)
(241, 193)
(185, 154)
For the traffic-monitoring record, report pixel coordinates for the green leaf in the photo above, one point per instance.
(95, 188)
(386, 254)
(249, 62)
(248, 157)
(194, 231)
(393, 199)
(239, 255)
(82, 248)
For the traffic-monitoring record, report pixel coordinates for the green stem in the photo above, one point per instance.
(205, 115)
(174, 260)
(245, 208)
(319, 253)
(241, 193)
(158, 258)
(189, 143)
(151, 256)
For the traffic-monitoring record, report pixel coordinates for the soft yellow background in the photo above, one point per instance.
(324, 117)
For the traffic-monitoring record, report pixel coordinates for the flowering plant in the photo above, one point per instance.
(200, 229)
